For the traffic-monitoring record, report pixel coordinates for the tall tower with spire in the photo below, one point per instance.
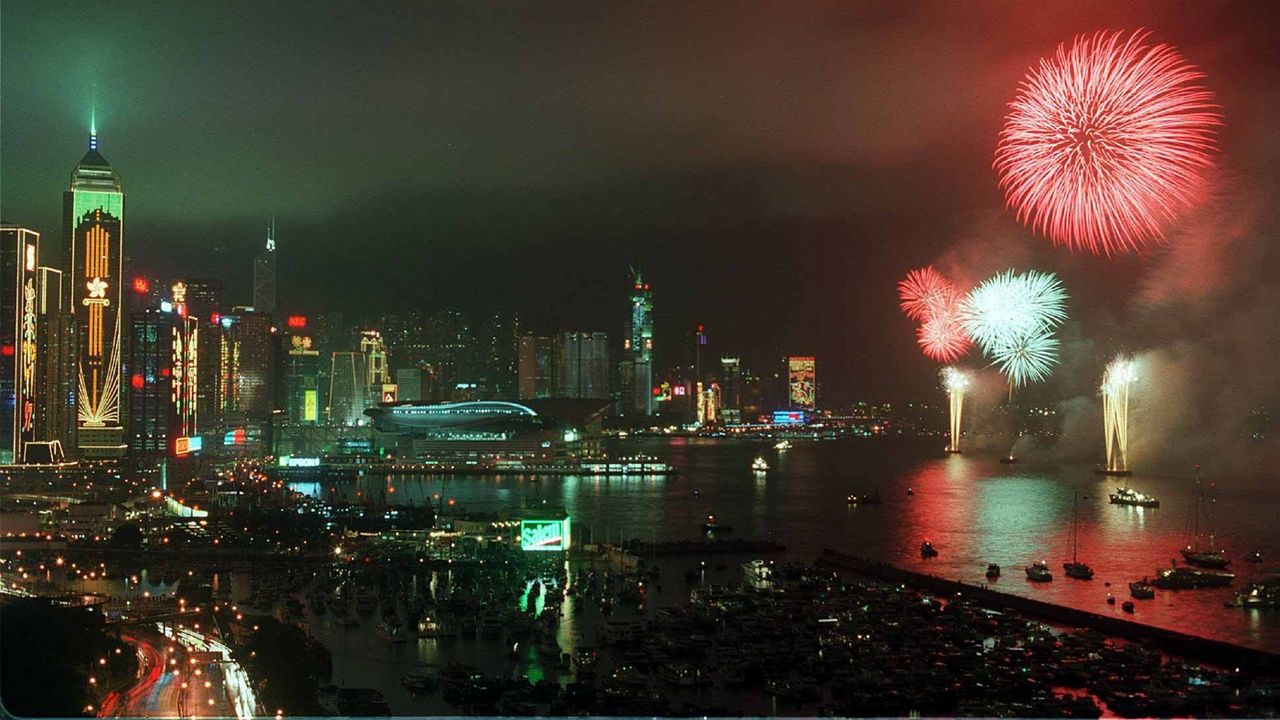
(93, 234)
(264, 274)
(638, 348)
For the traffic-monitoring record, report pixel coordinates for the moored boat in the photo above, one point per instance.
(1039, 572)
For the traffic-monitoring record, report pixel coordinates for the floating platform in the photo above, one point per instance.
(1112, 473)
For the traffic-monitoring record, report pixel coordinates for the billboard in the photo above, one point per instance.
(310, 406)
(544, 535)
(184, 445)
(801, 386)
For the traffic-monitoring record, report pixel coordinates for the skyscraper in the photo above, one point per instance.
(347, 389)
(55, 368)
(637, 349)
(150, 381)
(19, 255)
(583, 361)
(536, 369)
(204, 306)
(264, 274)
(245, 365)
(300, 373)
(730, 390)
(93, 230)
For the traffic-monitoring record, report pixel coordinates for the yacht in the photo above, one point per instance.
(1142, 589)
(926, 550)
(1039, 572)
(782, 445)
(1075, 568)
(759, 465)
(1206, 555)
(1186, 578)
(1125, 496)
(1264, 594)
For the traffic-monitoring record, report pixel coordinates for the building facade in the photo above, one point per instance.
(19, 258)
(583, 362)
(536, 367)
(264, 275)
(637, 351)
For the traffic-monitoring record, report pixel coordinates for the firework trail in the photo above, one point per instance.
(1120, 374)
(955, 381)
(1107, 142)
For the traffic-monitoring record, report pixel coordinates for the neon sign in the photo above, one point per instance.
(544, 535)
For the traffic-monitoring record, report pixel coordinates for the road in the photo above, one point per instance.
(176, 679)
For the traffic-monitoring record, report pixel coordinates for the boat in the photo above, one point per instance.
(1187, 578)
(1111, 599)
(1009, 459)
(1127, 606)
(865, 499)
(782, 445)
(418, 682)
(1254, 557)
(1125, 496)
(1264, 594)
(759, 465)
(1113, 472)
(1142, 589)
(712, 525)
(1039, 572)
(1075, 568)
(993, 571)
(927, 550)
(910, 491)
(390, 632)
(1207, 555)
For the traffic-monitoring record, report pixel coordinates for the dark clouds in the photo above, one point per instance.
(774, 167)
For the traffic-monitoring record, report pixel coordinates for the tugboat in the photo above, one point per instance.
(1075, 568)
(759, 465)
(1208, 556)
(927, 551)
(1125, 496)
(871, 499)
(1142, 589)
(993, 571)
(711, 525)
(1185, 578)
(1039, 572)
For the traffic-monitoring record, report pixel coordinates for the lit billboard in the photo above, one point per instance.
(544, 535)
(801, 386)
(310, 406)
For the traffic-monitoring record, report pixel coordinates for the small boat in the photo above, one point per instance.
(1142, 589)
(1254, 557)
(1127, 606)
(1125, 496)
(782, 445)
(418, 682)
(1205, 558)
(1208, 555)
(1111, 599)
(1039, 572)
(927, 550)
(712, 525)
(865, 499)
(910, 491)
(993, 571)
(1008, 459)
(759, 465)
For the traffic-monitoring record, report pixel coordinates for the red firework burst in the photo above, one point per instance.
(943, 338)
(926, 292)
(1107, 142)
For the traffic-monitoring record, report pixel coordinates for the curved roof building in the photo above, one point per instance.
(478, 416)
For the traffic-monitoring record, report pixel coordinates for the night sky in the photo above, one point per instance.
(773, 168)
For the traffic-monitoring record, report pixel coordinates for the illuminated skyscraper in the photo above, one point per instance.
(264, 274)
(347, 389)
(245, 365)
(536, 369)
(583, 361)
(637, 349)
(730, 390)
(163, 374)
(55, 368)
(300, 371)
(19, 256)
(204, 306)
(93, 230)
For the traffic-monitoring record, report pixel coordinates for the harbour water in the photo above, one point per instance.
(972, 508)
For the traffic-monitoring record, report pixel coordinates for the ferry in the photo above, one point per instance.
(759, 465)
(1125, 496)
